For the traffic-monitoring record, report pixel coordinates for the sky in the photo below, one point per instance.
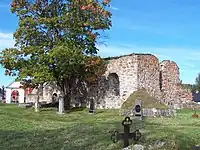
(169, 29)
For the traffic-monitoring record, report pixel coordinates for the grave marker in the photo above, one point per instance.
(137, 110)
(91, 106)
(61, 105)
(126, 136)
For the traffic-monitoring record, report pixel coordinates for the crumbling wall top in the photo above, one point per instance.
(169, 62)
(132, 54)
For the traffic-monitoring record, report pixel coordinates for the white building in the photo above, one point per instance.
(14, 93)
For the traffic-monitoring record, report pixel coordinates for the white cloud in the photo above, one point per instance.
(114, 50)
(106, 51)
(194, 55)
(114, 8)
(6, 35)
(160, 30)
(6, 40)
(190, 65)
(188, 69)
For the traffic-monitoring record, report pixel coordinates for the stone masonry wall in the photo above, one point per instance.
(148, 74)
(123, 69)
(46, 94)
(126, 74)
(137, 71)
(185, 95)
(170, 81)
(172, 92)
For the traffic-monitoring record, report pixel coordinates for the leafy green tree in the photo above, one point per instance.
(197, 82)
(190, 87)
(55, 41)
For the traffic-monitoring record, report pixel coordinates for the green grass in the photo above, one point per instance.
(141, 94)
(22, 129)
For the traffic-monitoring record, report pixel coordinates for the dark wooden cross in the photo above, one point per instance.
(116, 136)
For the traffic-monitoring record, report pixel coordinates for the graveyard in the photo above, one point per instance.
(68, 92)
(25, 129)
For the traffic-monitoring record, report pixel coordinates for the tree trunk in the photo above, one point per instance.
(67, 100)
(66, 91)
(67, 96)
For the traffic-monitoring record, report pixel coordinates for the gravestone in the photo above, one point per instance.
(92, 104)
(61, 105)
(137, 110)
(36, 105)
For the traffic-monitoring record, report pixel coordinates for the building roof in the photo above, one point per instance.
(14, 84)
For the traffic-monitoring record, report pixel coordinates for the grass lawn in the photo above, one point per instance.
(22, 129)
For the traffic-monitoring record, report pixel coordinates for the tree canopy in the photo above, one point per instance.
(56, 41)
(197, 83)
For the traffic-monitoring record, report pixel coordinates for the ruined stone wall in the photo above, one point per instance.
(185, 95)
(148, 74)
(172, 92)
(170, 81)
(119, 82)
(45, 95)
(125, 75)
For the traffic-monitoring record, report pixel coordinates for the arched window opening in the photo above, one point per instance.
(113, 84)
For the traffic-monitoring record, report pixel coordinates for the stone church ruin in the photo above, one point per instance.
(126, 74)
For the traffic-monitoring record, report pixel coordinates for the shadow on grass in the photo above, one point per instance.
(74, 109)
(22, 129)
(49, 109)
(90, 136)
(81, 137)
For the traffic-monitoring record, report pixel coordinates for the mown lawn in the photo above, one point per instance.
(22, 129)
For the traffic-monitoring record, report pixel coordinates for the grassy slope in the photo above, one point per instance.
(22, 129)
(141, 94)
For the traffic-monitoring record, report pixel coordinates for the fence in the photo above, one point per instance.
(151, 112)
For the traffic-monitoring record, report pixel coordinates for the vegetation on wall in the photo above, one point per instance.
(147, 100)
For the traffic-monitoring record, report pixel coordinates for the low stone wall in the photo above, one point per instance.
(151, 112)
(31, 98)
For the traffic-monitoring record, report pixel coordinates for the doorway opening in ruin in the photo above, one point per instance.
(113, 84)
(54, 97)
(15, 96)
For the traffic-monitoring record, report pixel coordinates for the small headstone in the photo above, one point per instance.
(61, 105)
(91, 106)
(36, 106)
(137, 110)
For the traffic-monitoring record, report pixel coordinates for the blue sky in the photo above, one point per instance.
(169, 29)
